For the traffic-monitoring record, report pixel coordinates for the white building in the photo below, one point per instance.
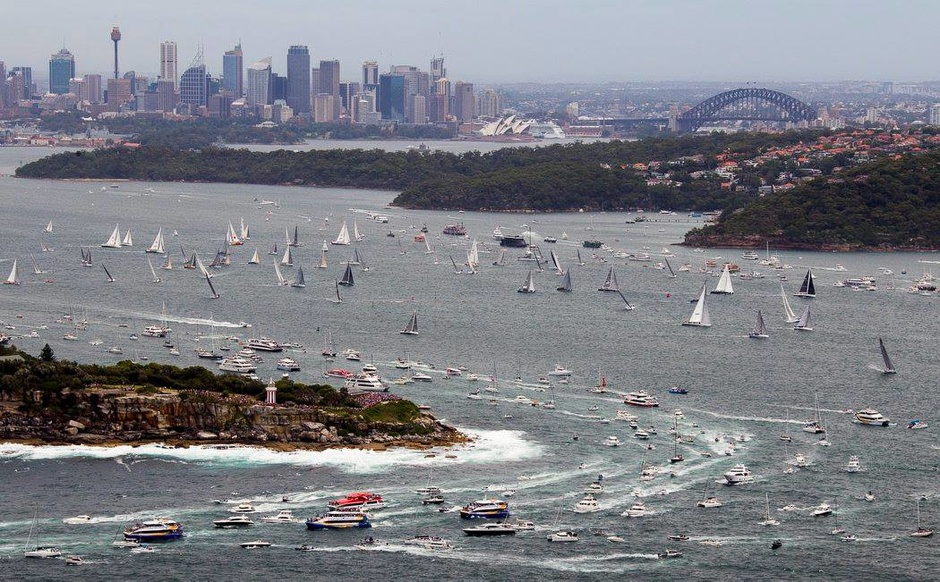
(169, 64)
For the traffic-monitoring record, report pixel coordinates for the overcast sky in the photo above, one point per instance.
(494, 41)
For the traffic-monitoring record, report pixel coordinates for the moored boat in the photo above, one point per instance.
(872, 417)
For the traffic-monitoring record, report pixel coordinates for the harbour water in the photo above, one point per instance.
(740, 390)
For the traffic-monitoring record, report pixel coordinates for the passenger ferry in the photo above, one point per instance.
(338, 520)
(485, 508)
(264, 344)
(161, 529)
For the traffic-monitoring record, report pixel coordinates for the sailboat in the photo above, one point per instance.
(767, 519)
(786, 437)
(338, 298)
(528, 286)
(86, 257)
(167, 264)
(232, 236)
(566, 282)
(920, 532)
(299, 279)
(36, 269)
(215, 294)
(280, 278)
(128, 240)
(157, 245)
(699, 315)
(39, 551)
(13, 279)
(610, 283)
(676, 457)
(287, 260)
(114, 241)
(273, 250)
(457, 270)
(805, 323)
(202, 268)
(555, 263)
(791, 317)
(295, 241)
(760, 330)
(580, 260)
(356, 234)
(48, 227)
(329, 352)
(500, 262)
(412, 327)
(110, 278)
(343, 237)
(255, 258)
(627, 305)
(153, 271)
(815, 426)
(244, 230)
(889, 367)
(724, 282)
(672, 274)
(322, 264)
(347, 277)
(807, 288)
(473, 257)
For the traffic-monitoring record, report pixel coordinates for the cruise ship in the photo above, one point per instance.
(365, 382)
(237, 365)
(161, 529)
(548, 130)
(264, 344)
(338, 520)
(485, 508)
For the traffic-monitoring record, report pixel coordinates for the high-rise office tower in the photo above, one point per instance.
(488, 104)
(437, 69)
(370, 75)
(464, 103)
(61, 71)
(298, 79)
(416, 83)
(169, 64)
(93, 88)
(166, 95)
(115, 38)
(119, 93)
(77, 88)
(347, 92)
(329, 83)
(258, 90)
(391, 97)
(420, 110)
(3, 85)
(20, 84)
(232, 71)
(194, 87)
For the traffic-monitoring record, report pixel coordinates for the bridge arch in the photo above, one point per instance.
(746, 104)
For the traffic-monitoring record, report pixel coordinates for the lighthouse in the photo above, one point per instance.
(270, 392)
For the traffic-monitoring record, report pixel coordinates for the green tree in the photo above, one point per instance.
(47, 355)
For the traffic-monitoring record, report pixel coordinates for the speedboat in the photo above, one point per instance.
(155, 530)
(429, 542)
(255, 544)
(587, 505)
(562, 536)
(594, 488)
(678, 390)
(283, 516)
(822, 509)
(421, 377)
(640, 398)
(612, 441)
(233, 522)
(77, 520)
(352, 355)
(738, 474)
(339, 520)
(243, 508)
(679, 537)
(560, 371)
(485, 508)
(288, 365)
(668, 554)
(340, 373)
(849, 538)
(853, 465)
(872, 417)
(491, 529)
(433, 500)
(74, 560)
(635, 510)
(709, 502)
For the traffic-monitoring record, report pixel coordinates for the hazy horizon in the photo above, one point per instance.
(524, 41)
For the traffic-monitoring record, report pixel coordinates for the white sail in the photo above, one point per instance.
(49, 227)
(566, 282)
(36, 269)
(788, 311)
(13, 278)
(114, 242)
(232, 236)
(255, 259)
(244, 230)
(299, 279)
(427, 246)
(287, 260)
(356, 234)
(153, 271)
(610, 283)
(202, 268)
(157, 246)
(343, 237)
(555, 263)
(724, 282)
(280, 278)
(529, 286)
(412, 327)
(700, 315)
(128, 240)
(168, 265)
(473, 256)
(322, 264)
(805, 323)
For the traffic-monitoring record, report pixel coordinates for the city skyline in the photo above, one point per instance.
(517, 41)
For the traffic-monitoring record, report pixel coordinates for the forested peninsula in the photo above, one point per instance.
(599, 176)
(889, 204)
(46, 401)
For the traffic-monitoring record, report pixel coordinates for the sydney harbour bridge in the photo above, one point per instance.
(745, 104)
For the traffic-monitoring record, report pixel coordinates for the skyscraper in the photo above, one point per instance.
(93, 88)
(258, 91)
(437, 69)
(169, 64)
(3, 85)
(166, 95)
(61, 71)
(194, 87)
(391, 97)
(329, 84)
(464, 103)
(232, 71)
(298, 79)
(370, 75)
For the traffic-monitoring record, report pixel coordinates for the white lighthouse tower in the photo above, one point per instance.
(270, 392)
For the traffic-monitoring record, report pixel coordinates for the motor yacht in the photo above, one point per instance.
(872, 417)
(243, 508)
(429, 542)
(738, 474)
(638, 509)
(255, 544)
(491, 529)
(235, 521)
(156, 530)
(562, 536)
(238, 365)
(366, 383)
(283, 516)
(594, 488)
(612, 441)
(560, 371)
(822, 509)
(670, 554)
(587, 505)
(853, 465)
(264, 344)
(288, 365)
(640, 398)
(421, 377)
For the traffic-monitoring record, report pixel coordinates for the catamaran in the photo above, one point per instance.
(788, 311)
(807, 288)
(157, 246)
(889, 367)
(114, 241)
(700, 317)
(760, 330)
(343, 237)
(528, 286)
(412, 327)
(347, 277)
(724, 282)
(805, 323)
(610, 283)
